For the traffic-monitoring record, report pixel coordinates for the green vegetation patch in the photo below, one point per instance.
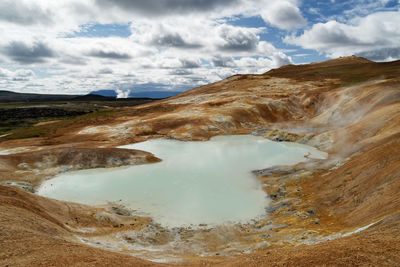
(60, 127)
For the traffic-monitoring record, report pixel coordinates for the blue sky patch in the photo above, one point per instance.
(102, 30)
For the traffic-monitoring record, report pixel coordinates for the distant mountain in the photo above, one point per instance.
(109, 93)
(8, 96)
(93, 97)
(100, 95)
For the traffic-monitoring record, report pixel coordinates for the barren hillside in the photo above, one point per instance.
(341, 211)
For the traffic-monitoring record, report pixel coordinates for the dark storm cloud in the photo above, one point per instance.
(26, 54)
(383, 54)
(165, 7)
(23, 13)
(110, 55)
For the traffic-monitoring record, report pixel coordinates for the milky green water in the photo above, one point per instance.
(196, 183)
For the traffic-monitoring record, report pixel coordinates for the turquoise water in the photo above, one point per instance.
(196, 183)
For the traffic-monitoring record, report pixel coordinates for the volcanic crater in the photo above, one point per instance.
(342, 209)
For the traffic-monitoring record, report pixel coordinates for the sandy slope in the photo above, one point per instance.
(348, 107)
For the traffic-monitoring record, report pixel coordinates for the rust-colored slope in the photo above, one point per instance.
(349, 107)
(33, 233)
(347, 70)
(33, 167)
(377, 246)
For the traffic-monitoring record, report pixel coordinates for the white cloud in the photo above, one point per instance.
(237, 38)
(17, 74)
(172, 42)
(225, 62)
(29, 13)
(23, 75)
(362, 35)
(165, 7)
(359, 8)
(5, 73)
(284, 15)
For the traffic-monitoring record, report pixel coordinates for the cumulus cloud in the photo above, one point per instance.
(225, 62)
(174, 63)
(280, 59)
(27, 54)
(165, 7)
(117, 49)
(24, 13)
(109, 54)
(180, 72)
(237, 38)
(284, 15)
(168, 39)
(172, 43)
(163, 36)
(19, 75)
(105, 71)
(5, 73)
(189, 63)
(377, 35)
(23, 75)
(73, 60)
(383, 54)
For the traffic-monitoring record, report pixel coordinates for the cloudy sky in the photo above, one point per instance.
(78, 46)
